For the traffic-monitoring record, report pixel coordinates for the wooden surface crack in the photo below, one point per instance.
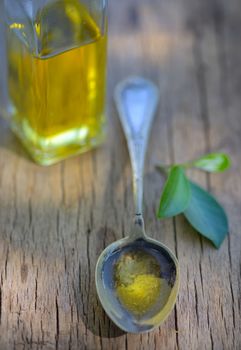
(57, 321)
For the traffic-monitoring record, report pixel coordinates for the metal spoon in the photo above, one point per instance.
(136, 100)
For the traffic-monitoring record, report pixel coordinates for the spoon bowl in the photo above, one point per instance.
(106, 289)
(137, 278)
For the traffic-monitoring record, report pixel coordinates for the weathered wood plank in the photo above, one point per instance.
(55, 221)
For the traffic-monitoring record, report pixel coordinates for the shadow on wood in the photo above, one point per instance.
(96, 319)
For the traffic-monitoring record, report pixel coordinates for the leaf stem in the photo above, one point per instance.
(163, 169)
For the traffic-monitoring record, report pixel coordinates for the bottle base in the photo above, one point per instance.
(50, 150)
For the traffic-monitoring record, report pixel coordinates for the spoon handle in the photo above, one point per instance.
(136, 99)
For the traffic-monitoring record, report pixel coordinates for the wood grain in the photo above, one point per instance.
(55, 221)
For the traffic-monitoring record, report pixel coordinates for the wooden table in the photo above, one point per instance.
(55, 221)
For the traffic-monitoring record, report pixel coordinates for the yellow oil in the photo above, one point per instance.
(141, 295)
(57, 91)
(138, 283)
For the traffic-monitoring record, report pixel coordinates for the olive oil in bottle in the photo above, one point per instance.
(57, 92)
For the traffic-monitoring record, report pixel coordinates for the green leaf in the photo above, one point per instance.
(176, 193)
(214, 162)
(206, 215)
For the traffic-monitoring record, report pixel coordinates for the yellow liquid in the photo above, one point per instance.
(138, 282)
(141, 295)
(58, 92)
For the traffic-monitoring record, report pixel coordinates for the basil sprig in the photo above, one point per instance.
(201, 209)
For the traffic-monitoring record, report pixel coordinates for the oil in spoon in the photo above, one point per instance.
(138, 282)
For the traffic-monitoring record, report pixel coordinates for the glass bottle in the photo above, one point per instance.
(56, 54)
